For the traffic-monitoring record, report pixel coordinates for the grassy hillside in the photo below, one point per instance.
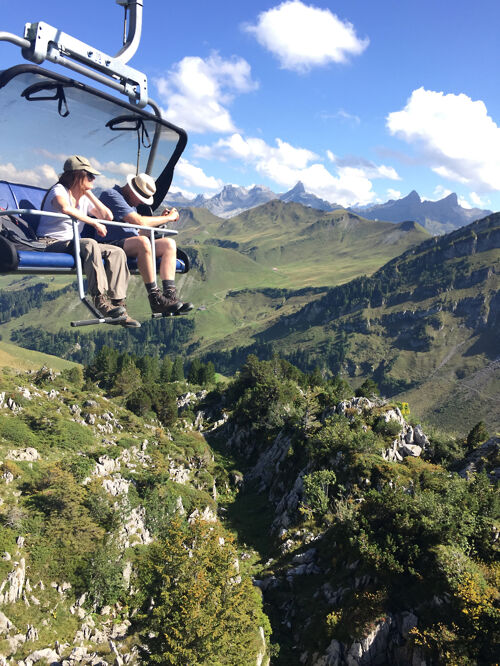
(237, 267)
(305, 247)
(12, 356)
(424, 326)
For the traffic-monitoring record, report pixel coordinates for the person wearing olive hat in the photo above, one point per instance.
(123, 202)
(105, 266)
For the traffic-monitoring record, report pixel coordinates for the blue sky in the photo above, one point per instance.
(362, 101)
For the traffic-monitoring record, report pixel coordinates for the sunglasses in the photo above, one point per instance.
(90, 176)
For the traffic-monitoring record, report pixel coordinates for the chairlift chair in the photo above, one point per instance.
(49, 114)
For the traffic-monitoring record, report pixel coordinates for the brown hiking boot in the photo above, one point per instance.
(106, 308)
(128, 322)
(166, 303)
(184, 308)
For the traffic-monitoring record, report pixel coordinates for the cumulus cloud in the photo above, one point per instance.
(440, 192)
(393, 194)
(369, 168)
(286, 164)
(196, 92)
(192, 176)
(41, 176)
(303, 36)
(118, 168)
(477, 201)
(456, 136)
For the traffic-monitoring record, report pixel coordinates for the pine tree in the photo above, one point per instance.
(202, 612)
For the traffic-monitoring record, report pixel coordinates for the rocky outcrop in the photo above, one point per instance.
(484, 457)
(386, 643)
(30, 454)
(11, 590)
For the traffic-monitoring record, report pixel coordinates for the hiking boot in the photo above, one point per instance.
(186, 307)
(128, 322)
(166, 303)
(106, 308)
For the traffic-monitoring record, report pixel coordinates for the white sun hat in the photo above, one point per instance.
(143, 186)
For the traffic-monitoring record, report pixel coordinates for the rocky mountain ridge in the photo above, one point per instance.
(437, 217)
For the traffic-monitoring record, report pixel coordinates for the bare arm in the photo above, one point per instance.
(98, 209)
(171, 215)
(61, 205)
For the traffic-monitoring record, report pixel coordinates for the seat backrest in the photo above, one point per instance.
(16, 195)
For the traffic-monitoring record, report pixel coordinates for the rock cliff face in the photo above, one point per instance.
(275, 473)
(113, 457)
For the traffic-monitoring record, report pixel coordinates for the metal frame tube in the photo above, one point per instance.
(78, 259)
(134, 31)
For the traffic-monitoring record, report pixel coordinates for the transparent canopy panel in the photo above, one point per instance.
(45, 117)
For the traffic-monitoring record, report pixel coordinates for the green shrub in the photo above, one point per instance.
(387, 428)
(317, 491)
(80, 467)
(74, 376)
(15, 431)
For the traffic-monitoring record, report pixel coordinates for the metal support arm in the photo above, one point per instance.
(47, 42)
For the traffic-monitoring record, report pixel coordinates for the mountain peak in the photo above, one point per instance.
(298, 188)
(451, 199)
(413, 197)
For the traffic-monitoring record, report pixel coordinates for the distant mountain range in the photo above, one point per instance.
(438, 217)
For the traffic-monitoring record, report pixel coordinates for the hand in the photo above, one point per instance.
(100, 228)
(172, 214)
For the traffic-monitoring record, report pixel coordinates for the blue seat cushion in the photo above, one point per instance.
(63, 261)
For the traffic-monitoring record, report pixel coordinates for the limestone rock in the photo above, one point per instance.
(14, 584)
(207, 515)
(134, 530)
(5, 624)
(420, 438)
(29, 454)
(47, 655)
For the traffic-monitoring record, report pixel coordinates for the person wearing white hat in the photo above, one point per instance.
(105, 266)
(123, 202)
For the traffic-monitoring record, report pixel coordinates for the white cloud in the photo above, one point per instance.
(463, 202)
(303, 36)
(440, 192)
(477, 201)
(393, 194)
(458, 139)
(194, 177)
(196, 92)
(41, 176)
(118, 168)
(286, 164)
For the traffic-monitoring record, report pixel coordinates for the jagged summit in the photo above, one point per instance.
(438, 217)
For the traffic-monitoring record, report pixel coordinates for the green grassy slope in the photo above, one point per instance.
(277, 246)
(425, 326)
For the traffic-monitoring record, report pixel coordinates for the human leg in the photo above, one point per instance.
(93, 268)
(166, 248)
(116, 269)
(139, 247)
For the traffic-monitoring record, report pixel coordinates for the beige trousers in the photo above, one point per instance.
(105, 266)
